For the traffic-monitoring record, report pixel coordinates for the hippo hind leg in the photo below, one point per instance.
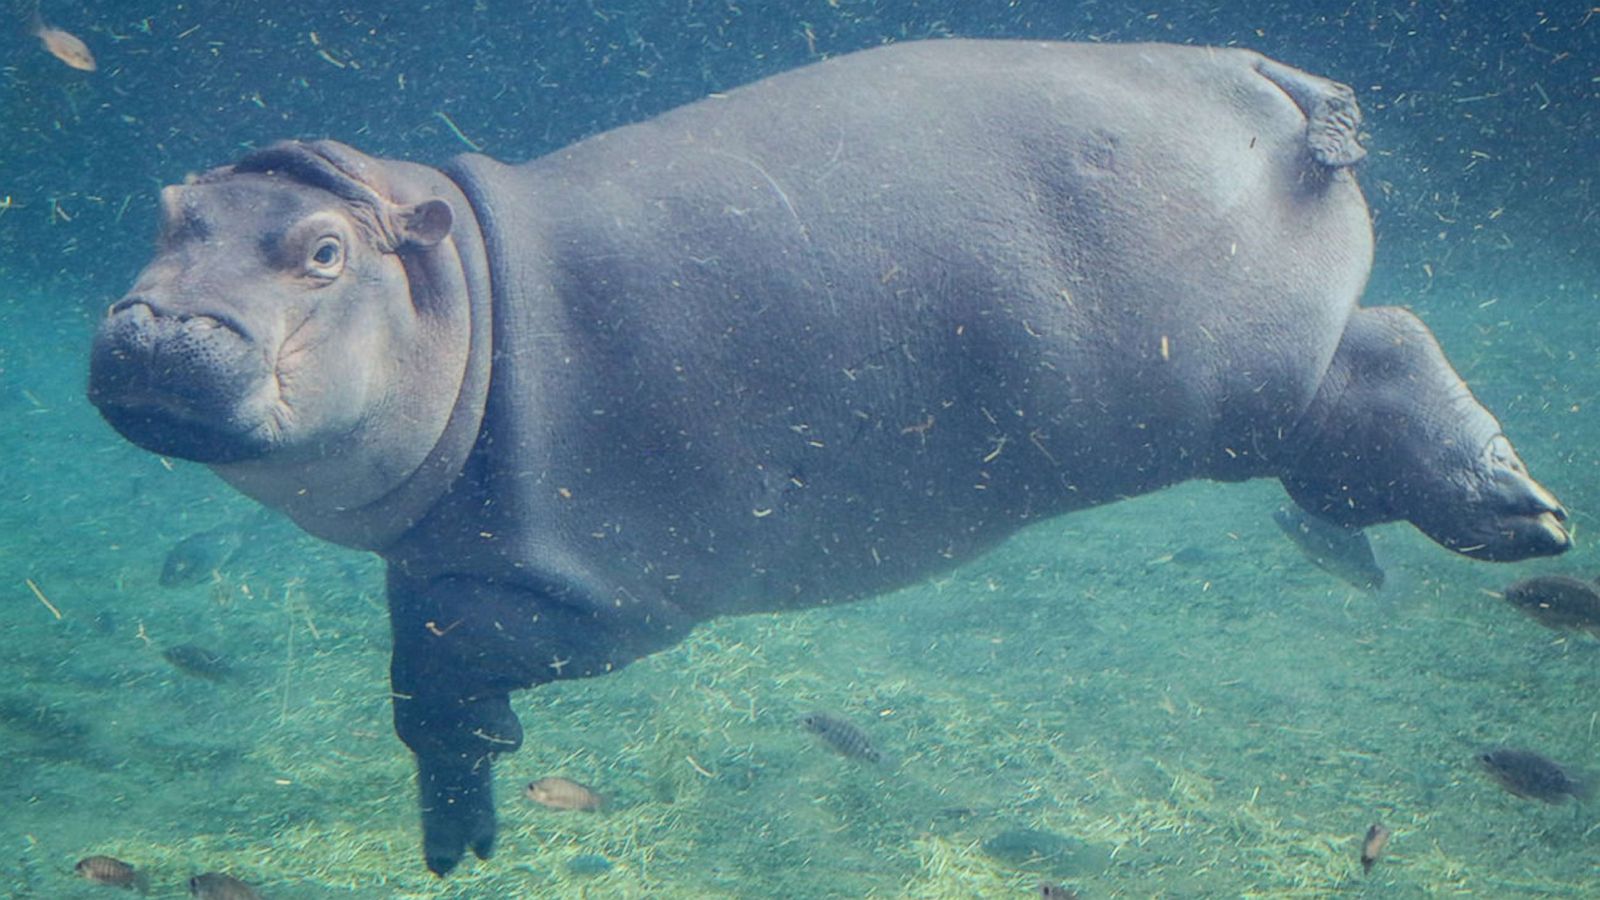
(1394, 433)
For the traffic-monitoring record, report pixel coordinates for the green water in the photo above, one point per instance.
(1165, 686)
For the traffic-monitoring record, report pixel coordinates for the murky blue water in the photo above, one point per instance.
(1164, 692)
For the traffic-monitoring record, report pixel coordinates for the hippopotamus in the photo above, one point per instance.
(793, 344)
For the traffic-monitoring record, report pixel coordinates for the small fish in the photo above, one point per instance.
(1531, 775)
(1557, 601)
(966, 812)
(1343, 552)
(217, 886)
(1192, 556)
(104, 622)
(1372, 846)
(562, 793)
(193, 559)
(1049, 890)
(1030, 848)
(589, 864)
(199, 662)
(845, 738)
(111, 871)
(63, 45)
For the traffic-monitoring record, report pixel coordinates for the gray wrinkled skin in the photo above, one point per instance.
(796, 344)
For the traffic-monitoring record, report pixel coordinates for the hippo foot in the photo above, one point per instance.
(457, 812)
(455, 743)
(1395, 434)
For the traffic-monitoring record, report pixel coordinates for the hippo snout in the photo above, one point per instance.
(1503, 514)
(177, 383)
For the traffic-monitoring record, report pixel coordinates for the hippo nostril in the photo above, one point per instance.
(141, 311)
(130, 303)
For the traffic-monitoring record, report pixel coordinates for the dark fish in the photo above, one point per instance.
(562, 793)
(110, 871)
(1343, 552)
(1372, 846)
(1557, 601)
(843, 737)
(25, 714)
(1049, 890)
(199, 662)
(1028, 847)
(193, 559)
(217, 886)
(104, 622)
(1529, 774)
(966, 812)
(1046, 854)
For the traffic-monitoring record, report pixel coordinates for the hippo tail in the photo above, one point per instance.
(1332, 117)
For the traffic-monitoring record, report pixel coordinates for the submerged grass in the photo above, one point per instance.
(1195, 738)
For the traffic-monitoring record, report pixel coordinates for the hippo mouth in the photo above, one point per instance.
(180, 386)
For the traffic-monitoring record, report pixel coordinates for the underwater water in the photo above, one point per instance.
(1160, 697)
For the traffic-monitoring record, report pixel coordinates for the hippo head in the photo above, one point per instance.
(294, 296)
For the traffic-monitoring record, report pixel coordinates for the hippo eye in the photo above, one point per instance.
(327, 257)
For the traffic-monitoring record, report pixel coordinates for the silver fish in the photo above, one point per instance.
(1343, 552)
(845, 738)
(63, 45)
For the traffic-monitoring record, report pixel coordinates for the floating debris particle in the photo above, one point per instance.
(195, 660)
(39, 593)
(1372, 845)
(563, 793)
(475, 147)
(1532, 775)
(217, 886)
(845, 738)
(109, 870)
(1557, 601)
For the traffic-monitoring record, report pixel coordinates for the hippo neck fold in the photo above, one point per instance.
(449, 284)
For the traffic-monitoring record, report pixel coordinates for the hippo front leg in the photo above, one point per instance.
(1394, 433)
(452, 677)
(461, 646)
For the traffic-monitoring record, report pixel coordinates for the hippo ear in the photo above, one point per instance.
(424, 224)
